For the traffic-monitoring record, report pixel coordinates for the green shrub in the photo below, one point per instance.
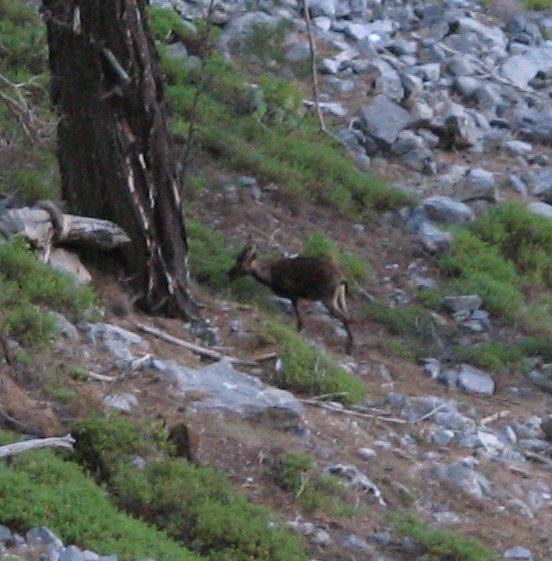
(194, 505)
(538, 346)
(39, 489)
(198, 506)
(38, 283)
(491, 355)
(480, 268)
(211, 259)
(522, 237)
(441, 545)
(307, 370)
(105, 444)
(413, 324)
(27, 288)
(299, 474)
(266, 42)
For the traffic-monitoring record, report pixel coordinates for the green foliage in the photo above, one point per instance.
(413, 324)
(493, 356)
(320, 245)
(538, 346)
(197, 505)
(211, 260)
(307, 370)
(167, 26)
(440, 545)
(22, 40)
(266, 42)
(289, 470)
(537, 4)
(194, 505)
(105, 444)
(480, 268)
(27, 287)
(258, 131)
(39, 489)
(33, 184)
(522, 237)
(299, 474)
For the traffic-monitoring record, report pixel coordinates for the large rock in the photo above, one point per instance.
(478, 184)
(228, 390)
(543, 187)
(465, 479)
(239, 28)
(443, 210)
(433, 239)
(522, 68)
(384, 119)
(473, 380)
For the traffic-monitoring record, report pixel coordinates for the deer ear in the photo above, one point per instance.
(251, 251)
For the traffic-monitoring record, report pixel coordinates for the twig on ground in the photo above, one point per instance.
(203, 351)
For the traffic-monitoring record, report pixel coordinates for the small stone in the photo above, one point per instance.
(367, 453)
(518, 553)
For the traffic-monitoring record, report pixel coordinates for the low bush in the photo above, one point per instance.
(40, 489)
(491, 356)
(194, 505)
(28, 288)
(413, 325)
(440, 545)
(309, 371)
(314, 491)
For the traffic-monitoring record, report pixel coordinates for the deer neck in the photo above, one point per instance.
(261, 273)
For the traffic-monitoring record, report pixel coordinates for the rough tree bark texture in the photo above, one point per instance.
(116, 154)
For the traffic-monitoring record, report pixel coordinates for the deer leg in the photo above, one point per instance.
(337, 307)
(297, 314)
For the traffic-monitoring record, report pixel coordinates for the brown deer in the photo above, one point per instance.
(310, 278)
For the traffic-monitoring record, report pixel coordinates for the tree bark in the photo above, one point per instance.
(116, 153)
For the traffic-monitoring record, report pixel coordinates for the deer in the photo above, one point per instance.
(309, 278)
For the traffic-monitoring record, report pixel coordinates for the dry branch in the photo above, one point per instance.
(66, 441)
(37, 226)
(203, 351)
(324, 405)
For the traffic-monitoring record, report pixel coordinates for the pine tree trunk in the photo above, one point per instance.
(115, 150)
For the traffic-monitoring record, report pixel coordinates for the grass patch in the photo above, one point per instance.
(308, 371)
(314, 491)
(440, 545)
(261, 131)
(28, 288)
(40, 489)
(493, 356)
(506, 258)
(412, 324)
(210, 259)
(194, 505)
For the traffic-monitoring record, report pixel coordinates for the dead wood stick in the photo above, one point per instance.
(495, 417)
(324, 405)
(538, 457)
(66, 441)
(101, 377)
(428, 415)
(203, 351)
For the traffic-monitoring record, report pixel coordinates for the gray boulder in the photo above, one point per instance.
(228, 390)
(443, 210)
(384, 119)
(473, 380)
(433, 239)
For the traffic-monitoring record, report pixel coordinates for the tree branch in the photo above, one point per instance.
(66, 441)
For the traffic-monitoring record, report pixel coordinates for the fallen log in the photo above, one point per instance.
(66, 441)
